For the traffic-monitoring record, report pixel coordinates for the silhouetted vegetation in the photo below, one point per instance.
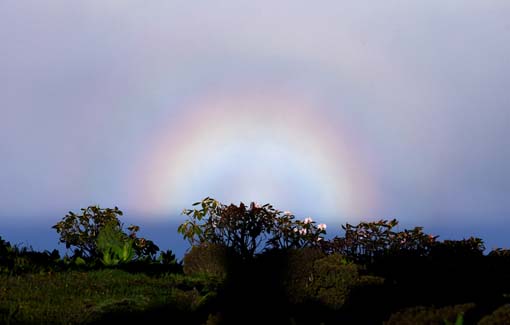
(252, 264)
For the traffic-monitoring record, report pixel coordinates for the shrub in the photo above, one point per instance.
(429, 315)
(5, 249)
(324, 279)
(209, 260)
(334, 277)
(4, 246)
(500, 252)
(300, 273)
(500, 316)
(18, 260)
(369, 240)
(82, 230)
(247, 230)
(470, 247)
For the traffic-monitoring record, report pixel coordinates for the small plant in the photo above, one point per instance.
(114, 245)
(458, 321)
(168, 258)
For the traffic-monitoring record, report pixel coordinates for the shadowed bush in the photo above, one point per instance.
(313, 277)
(300, 273)
(208, 259)
(428, 315)
(20, 260)
(500, 316)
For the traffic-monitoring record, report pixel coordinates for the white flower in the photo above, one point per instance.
(302, 231)
(257, 206)
(308, 220)
(319, 239)
(287, 213)
(295, 230)
(322, 226)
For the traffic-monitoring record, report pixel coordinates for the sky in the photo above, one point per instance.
(342, 111)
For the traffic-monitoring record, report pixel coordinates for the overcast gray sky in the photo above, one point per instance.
(343, 110)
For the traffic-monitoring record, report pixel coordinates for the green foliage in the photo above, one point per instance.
(5, 249)
(81, 231)
(16, 260)
(115, 246)
(458, 321)
(84, 297)
(4, 246)
(332, 280)
(325, 279)
(247, 230)
(500, 316)
(300, 273)
(430, 315)
(168, 258)
(211, 260)
(144, 249)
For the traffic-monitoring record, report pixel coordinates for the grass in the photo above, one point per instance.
(85, 297)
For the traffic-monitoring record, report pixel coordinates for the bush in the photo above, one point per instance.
(297, 280)
(248, 230)
(500, 252)
(19, 260)
(369, 240)
(81, 231)
(333, 279)
(500, 316)
(464, 248)
(313, 277)
(208, 260)
(429, 315)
